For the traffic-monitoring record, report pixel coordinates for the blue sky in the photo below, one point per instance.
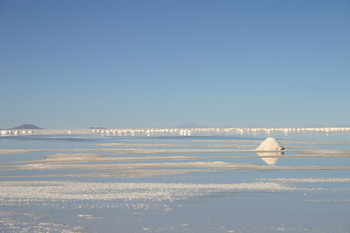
(133, 64)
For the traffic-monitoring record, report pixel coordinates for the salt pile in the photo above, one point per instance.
(270, 144)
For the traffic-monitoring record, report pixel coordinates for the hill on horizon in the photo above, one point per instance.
(314, 126)
(322, 126)
(27, 126)
(225, 126)
(192, 125)
(342, 125)
(253, 126)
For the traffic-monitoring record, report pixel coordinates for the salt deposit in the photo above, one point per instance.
(204, 166)
(173, 145)
(188, 176)
(308, 180)
(270, 144)
(165, 165)
(71, 190)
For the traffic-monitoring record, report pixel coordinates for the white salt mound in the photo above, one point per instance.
(270, 144)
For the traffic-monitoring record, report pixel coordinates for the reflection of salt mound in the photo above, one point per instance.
(270, 160)
(270, 144)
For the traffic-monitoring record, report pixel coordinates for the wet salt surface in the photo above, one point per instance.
(270, 205)
(157, 198)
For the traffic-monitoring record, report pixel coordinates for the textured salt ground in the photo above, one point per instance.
(117, 145)
(70, 190)
(249, 144)
(80, 160)
(128, 151)
(152, 201)
(12, 191)
(118, 174)
(102, 157)
(332, 195)
(248, 149)
(307, 180)
(90, 157)
(172, 145)
(22, 191)
(283, 142)
(173, 165)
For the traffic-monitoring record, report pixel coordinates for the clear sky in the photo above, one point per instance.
(156, 63)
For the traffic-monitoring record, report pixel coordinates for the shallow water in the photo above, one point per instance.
(173, 183)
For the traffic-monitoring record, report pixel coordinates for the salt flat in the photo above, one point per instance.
(166, 181)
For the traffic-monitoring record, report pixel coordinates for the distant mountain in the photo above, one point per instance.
(27, 126)
(321, 126)
(97, 128)
(192, 125)
(253, 126)
(313, 126)
(342, 125)
(225, 126)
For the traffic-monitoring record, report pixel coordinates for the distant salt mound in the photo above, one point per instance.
(270, 144)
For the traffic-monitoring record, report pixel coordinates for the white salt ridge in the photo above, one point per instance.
(177, 165)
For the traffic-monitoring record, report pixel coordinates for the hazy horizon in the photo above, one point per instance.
(190, 125)
(143, 64)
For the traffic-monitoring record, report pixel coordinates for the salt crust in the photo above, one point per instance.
(204, 166)
(173, 145)
(214, 165)
(307, 180)
(162, 151)
(72, 190)
(135, 173)
(19, 191)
